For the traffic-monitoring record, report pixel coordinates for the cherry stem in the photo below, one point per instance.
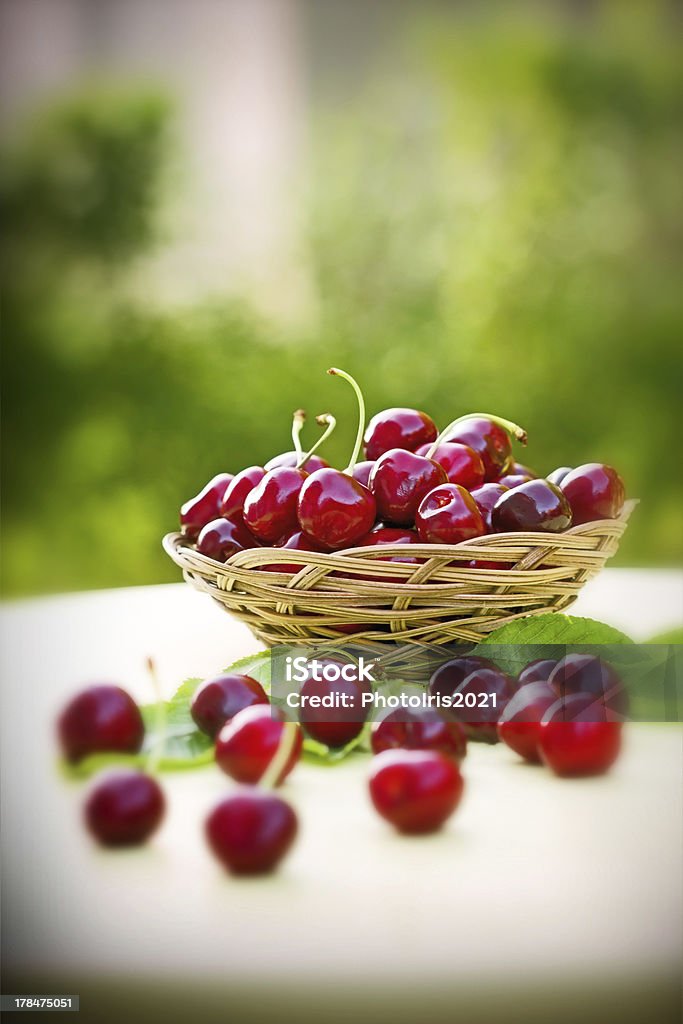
(361, 414)
(297, 423)
(157, 751)
(324, 418)
(516, 432)
(278, 761)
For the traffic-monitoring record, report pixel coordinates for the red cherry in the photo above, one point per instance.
(512, 480)
(297, 541)
(100, 719)
(380, 536)
(485, 694)
(247, 744)
(251, 831)
(415, 790)
(448, 515)
(419, 730)
(574, 743)
(451, 674)
(361, 472)
(399, 482)
(333, 726)
(490, 440)
(518, 468)
(462, 464)
(124, 808)
(222, 538)
(536, 671)
(531, 507)
(398, 428)
(291, 459)
(519, 724)
(238, 489)
(218, 700)
(486, 497)
(270, 509)
(558, 475)
(205, 506)
(594, 492)
(588, 674)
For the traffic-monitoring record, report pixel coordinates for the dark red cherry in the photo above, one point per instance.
(558, 475)
(479, 701)
(579, 707)
(124, 808)
(512, 480)
(536, 671)
(399, 481)
(447, 677)
(485, 498)
(519, 469)
(270, 509)
(415, 790)
(490, 441)
(382, 536)
(533, 506)
(222, 538)
(361, 472)
(462, 464)
(205, 506)
(448, 515)
(419, 730)
(520, 723)
(594, 492)
(579, 745)
(297, 541)
(247, 744)
(101, 719)
(219, 699)
(251, 831)
(586, 673)
(338, 725)
(398, 428)
(291, 459)
(334, 509)
(238, 489)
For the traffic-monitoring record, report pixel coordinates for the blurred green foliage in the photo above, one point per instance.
(495, 224)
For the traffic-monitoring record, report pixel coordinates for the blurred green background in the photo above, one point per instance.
(482, 211)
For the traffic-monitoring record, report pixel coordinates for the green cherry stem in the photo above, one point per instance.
(298, 421)
(325, 419)
(160, 721)
(515, 431)
(281, 756)
(361, 414)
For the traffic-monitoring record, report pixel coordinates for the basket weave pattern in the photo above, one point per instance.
(439, 601)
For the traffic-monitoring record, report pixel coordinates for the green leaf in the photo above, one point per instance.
(671, 636)
(322, 754)
(255, 665)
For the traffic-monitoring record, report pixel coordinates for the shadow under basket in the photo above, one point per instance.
(357, 594)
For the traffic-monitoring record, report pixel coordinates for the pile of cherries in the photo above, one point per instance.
(416, 485)
(566, 714)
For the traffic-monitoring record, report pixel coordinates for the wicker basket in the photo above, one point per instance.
(353, 594)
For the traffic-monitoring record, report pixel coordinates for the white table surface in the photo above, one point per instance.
(579, 878)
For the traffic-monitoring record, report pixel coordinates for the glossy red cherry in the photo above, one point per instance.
(361, 472)
(519, 724)
(415, 790)
(594, 492)
(237, 490)
(270, 508)
(297, 541)
(218, 700)
(251, 831)
(485, 694)
(462, 464)
(489, 440)
(586, 673)
(578, 747)
(448, 515)
(558, 475)
(222, 538)
(519, 469)
(531, 507)
(419, 730)
(447, 677)
(124, 808)
(101, 719)
(337, 725)
(398, 428)
(399, 481)
(381, 536)
(512, 480)
(247, 744)
(485, 498)
(205, 506)
(536, 671)
(291, 459)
